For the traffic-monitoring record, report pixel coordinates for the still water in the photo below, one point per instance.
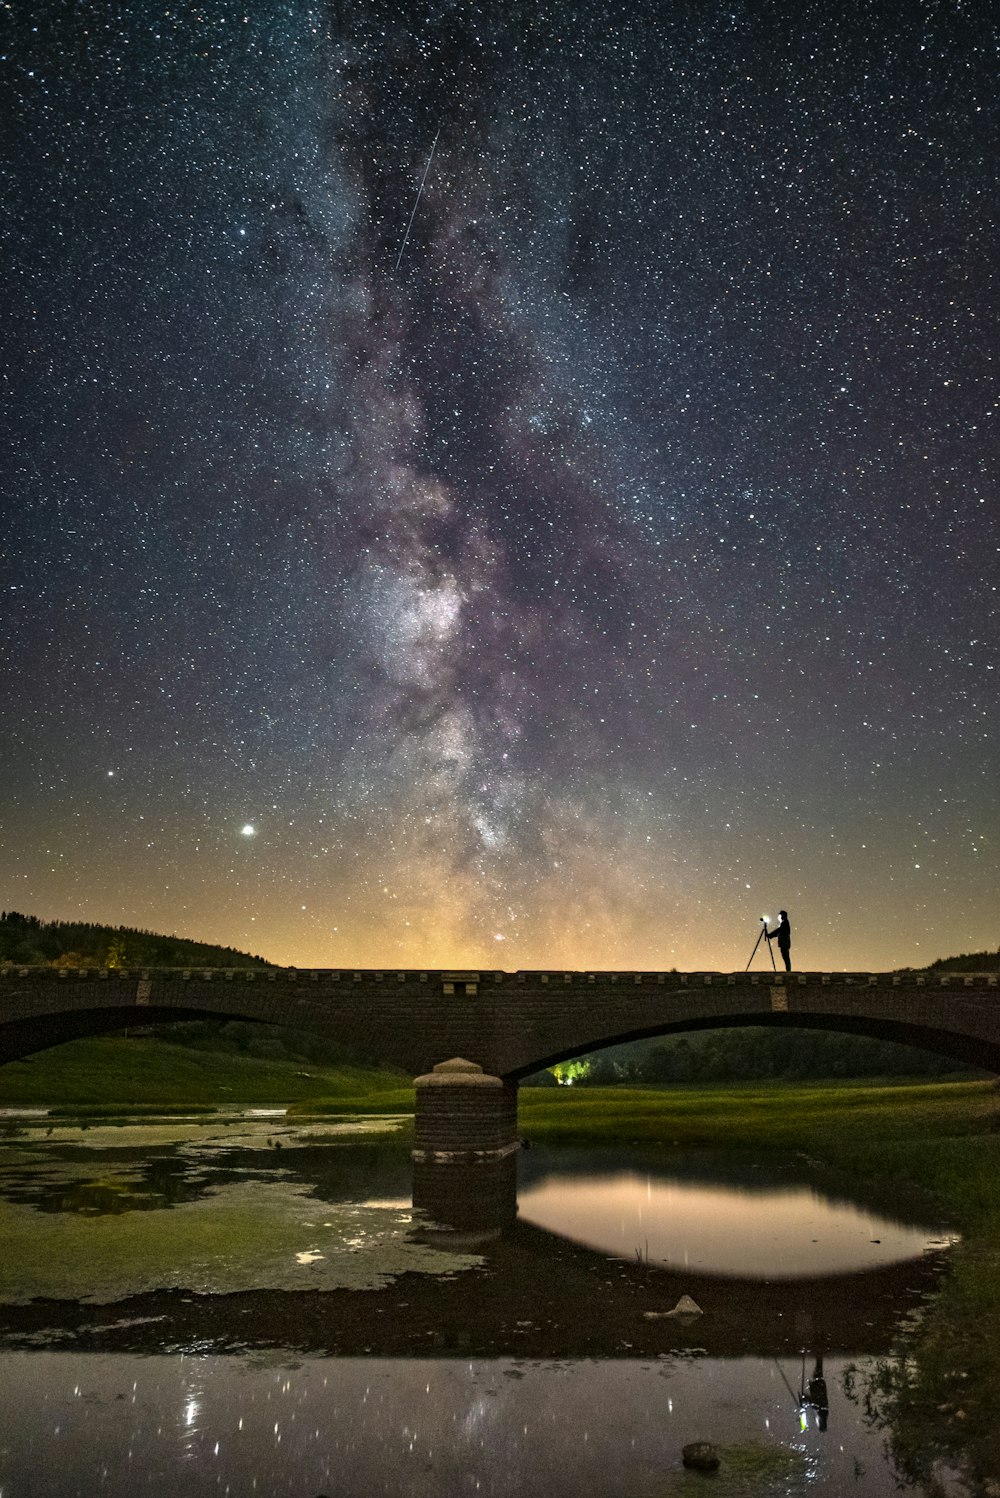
(209, 1425)
(750, 1229)
(170, 1295)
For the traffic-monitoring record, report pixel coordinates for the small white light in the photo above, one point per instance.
(248, 829)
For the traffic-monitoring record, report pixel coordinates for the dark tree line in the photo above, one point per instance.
(969, 962)
(263, 1042)
(748, 1053)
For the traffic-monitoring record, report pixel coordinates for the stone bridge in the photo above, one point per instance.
(499, 1026)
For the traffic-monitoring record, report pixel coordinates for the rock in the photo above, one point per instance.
(686, 1307)
(701, 1455)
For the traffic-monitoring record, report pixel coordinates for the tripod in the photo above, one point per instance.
(764, 934)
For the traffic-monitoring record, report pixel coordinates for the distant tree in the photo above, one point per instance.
(116, 955)
(69, 959)
(568, 1072)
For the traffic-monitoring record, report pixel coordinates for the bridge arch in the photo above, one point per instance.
(32, 1036)
(965, 1050)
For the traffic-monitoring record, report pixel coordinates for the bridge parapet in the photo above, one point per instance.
(469, 982)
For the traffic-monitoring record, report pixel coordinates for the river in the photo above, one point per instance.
(227, 1305)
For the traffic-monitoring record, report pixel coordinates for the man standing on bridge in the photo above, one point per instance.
(783, 934)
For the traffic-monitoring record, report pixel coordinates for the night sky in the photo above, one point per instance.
(613, 561)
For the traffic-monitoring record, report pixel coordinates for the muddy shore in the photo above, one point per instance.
(530, 1296)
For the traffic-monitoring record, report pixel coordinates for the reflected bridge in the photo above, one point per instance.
(468, 1037)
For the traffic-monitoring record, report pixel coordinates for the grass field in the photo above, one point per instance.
(113, 1073)
(770, 1114)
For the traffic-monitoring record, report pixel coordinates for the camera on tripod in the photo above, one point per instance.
(766, 936)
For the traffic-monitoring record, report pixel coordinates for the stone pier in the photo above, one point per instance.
(463, 1115)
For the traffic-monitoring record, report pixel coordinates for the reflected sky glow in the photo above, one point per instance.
(772, 1234)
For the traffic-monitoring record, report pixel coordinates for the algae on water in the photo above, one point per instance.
(129, 1210)
(248, 1235)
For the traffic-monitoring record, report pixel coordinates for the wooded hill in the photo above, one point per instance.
(27, 940)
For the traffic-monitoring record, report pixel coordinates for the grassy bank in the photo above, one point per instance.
(779, 1115)
(116, 1073)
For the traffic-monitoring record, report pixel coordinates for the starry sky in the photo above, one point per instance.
(607, 560)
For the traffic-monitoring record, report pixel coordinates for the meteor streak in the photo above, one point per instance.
(416, 205)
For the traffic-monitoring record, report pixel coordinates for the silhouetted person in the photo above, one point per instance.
(783, 935)
(814, 1396)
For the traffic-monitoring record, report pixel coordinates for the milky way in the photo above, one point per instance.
(607, 561)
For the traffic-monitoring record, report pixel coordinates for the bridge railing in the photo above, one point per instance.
(468, 982)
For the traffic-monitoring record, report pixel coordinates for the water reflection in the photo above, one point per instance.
(212, 1239)
(462, 1202)
(124, 1425)
(152, 1215)
(764, 1232)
